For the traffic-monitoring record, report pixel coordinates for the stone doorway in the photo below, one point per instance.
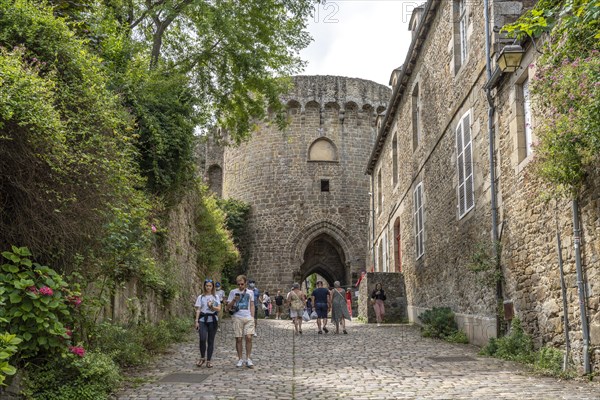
(324, 256)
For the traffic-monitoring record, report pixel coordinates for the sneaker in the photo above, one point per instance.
(249, 363)
(320, 332)
(325, 330)
(240, 363)
(255, 335)
(378, 324)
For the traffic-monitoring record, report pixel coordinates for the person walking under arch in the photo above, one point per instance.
(296, 300)
(377, 299)
(339, 308)
(241, 304)
(207, 307)
(278, 305)
(321, 299)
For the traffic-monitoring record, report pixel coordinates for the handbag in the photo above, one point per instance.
(305, 316)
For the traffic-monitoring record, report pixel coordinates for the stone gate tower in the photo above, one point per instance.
(307, 188)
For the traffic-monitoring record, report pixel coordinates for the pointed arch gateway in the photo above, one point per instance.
(324, 256)
(321, 248)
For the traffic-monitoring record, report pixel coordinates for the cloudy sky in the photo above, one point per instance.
(359, 38)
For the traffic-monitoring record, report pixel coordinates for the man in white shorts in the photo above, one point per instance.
(241, 302)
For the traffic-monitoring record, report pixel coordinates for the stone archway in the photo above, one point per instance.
(325, 256)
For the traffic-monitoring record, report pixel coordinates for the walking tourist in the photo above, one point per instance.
(278, 305)
(349, 301)
(339, 309)
(377, 299)
(252, 286)
(220, 293)
(207, 307)
(241, 304)
(266, 303)
(321, 299)
(296, 300)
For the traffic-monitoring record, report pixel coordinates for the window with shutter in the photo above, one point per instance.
(464, 161)
(418, 217)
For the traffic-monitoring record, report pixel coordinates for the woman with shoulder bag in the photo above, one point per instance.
(296, 299)
(377, 299)
(207, 307)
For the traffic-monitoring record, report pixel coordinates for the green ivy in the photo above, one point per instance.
(566, 91)
(212, 240)
(236, 221)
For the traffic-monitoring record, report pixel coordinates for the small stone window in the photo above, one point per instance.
(324, 185)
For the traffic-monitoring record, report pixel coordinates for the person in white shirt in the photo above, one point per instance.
(207, 306)
(220, 293)
(240, 304)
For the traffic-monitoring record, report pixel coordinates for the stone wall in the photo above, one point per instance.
(526, 224)
(441, 277)
(395, 303)
(133, 302)
(530, 226)
(306, 184)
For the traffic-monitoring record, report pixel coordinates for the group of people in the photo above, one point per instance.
(243, 302)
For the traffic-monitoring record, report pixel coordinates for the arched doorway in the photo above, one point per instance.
(324, 256)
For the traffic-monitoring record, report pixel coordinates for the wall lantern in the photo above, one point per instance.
(510, 57)
(509, 60)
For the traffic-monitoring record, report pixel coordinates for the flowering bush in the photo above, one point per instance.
(77, 350)
(36, 304)
(569, 133)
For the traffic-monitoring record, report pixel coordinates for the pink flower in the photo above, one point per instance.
(75, 300)
(154, 229)
(46, 291)
(77, 350)
(69, 332)
(32, 289)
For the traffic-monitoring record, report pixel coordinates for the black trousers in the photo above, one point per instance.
(207, 332)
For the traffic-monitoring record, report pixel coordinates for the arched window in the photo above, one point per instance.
(322, 149)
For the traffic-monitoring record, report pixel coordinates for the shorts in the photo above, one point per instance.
(243, 326)
(279, 309)
(321, 309)
(296, 313)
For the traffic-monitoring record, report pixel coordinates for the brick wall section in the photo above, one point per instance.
(295, 228)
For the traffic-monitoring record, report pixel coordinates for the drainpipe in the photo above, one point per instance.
(581, 287)
(373, 221)
(563, 290)
(491, 138)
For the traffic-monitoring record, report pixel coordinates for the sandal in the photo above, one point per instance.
(344, 331)
(208, 364)
(200, 362)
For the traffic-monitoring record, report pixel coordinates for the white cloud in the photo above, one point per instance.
(359, 38)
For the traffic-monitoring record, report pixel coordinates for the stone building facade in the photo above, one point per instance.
(306, 185)
(433, 193)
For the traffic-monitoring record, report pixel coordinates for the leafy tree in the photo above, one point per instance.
(65, 159)
(235, 52)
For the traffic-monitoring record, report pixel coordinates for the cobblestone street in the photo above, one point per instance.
(388, 362)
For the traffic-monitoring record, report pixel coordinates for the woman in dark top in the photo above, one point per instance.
(377, 299)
